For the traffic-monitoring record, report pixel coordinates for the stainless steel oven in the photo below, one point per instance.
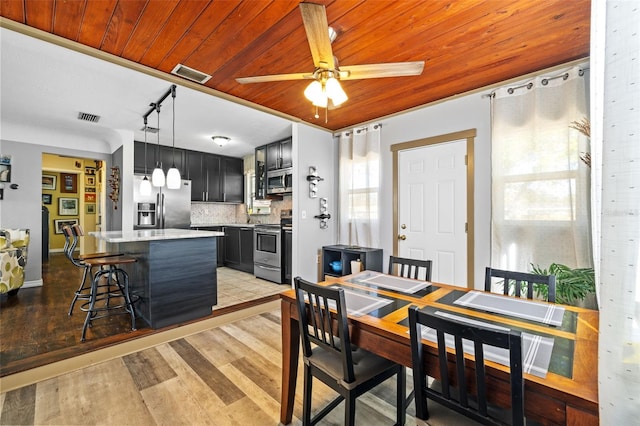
(279, 181)
(267, 252)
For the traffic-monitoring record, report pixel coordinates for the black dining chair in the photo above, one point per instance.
(463, 393)
(410, 268)
(330, 357)
(519, 280)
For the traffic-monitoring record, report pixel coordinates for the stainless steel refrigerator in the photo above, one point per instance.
(163, 208)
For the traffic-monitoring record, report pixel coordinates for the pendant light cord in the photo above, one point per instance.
(145, 146)
(158, 165)
(173, 153)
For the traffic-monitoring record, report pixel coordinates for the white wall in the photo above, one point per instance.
(312, 147)
(22, 207)
(468, 112)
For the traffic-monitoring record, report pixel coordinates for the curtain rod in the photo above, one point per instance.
(156, 105)
(544, 82)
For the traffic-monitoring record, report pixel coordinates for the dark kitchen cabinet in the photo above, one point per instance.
(215, 178)
(238, 248)
(280, 154)
(287, 259)
(232, 180)
(261, 173)
(166, 154)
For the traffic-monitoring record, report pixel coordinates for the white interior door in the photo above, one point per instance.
(433, 209)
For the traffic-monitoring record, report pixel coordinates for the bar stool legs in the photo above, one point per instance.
(113, 276)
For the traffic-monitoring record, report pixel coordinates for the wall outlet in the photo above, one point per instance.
(303, 214)
(318, 259)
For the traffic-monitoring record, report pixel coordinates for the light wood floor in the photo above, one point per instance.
(228, 375)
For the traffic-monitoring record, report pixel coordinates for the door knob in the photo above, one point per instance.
(402, 237)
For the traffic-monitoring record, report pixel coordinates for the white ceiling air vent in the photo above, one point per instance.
(85, 116)
(150, 129)
(190, 74)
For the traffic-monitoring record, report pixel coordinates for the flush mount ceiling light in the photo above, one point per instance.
(220, 140)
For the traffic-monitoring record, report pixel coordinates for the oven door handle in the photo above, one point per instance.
(267, 268)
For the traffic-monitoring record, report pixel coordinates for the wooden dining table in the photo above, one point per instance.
(567, 394)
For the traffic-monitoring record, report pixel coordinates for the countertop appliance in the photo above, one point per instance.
(163, 208)
(279, 181)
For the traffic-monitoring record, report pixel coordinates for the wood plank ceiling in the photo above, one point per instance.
(465, 44)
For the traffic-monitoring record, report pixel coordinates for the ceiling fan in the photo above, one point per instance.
(325, 90)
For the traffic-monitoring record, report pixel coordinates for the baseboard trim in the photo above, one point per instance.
(38, 374)
(33, 283)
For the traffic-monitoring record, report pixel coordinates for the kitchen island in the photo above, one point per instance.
(174, 278)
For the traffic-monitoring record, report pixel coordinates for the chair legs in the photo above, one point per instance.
(113, 276)
(81, 292)
(350, 401)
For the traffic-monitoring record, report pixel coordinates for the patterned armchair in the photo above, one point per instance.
(13, 259)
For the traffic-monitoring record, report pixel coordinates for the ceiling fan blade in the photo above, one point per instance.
(275, 77)
(392, 69)
(314, 17)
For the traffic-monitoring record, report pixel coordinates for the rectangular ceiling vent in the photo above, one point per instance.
(85, 116)
(190, 74)
(151, 129)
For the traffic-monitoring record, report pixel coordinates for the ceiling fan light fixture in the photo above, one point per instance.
(313, 91)
(335, 91)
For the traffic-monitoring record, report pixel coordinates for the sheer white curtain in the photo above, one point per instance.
(359, 187)
(616, 134)
(540, 186)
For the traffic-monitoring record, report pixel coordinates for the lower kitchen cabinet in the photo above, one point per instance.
(238, 248)
(342, 255)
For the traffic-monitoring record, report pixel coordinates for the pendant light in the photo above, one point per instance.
(157, 177)
(173, 175)
(145, 185)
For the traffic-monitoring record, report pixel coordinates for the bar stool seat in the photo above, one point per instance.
(113, 275)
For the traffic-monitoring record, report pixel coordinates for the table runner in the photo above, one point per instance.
(392, 282)
(536, 350)
(513, 306)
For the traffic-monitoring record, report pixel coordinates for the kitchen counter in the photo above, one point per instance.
(152, 235)
(175, 275)
(212, 225)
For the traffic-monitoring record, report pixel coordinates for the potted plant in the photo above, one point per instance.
(573, 286)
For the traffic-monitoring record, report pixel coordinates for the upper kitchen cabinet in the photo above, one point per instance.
(232, 180)
(166, 158)
(215, 178)
(279, 155)
(261, 173)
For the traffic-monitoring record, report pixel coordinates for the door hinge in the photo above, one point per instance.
(466, 227)
(466, 160)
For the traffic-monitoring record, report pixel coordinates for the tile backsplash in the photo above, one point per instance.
(220, 213)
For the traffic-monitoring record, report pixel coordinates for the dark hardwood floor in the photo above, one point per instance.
(35, 329)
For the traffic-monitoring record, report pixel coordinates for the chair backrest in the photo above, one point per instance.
(70, 243)
(518, 280)
(479, 335)
(323, 321)
(410, 268)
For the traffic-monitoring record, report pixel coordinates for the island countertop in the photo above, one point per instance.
(152, 235)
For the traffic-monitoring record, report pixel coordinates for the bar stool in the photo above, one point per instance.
(111, 272)
(72, 236)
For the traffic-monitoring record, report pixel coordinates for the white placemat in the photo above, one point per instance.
(392, 282)
(545, 313)
(359, 304)
(536, 350)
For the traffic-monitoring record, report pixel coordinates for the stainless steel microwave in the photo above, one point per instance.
(279, 181)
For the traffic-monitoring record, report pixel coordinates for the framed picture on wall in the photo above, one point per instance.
(67, 206)
(59, 223)
(46, 198)
(89, 198)
(89, 171)
(68, 183)
(49, 182)
(90, 208)
(90, 181)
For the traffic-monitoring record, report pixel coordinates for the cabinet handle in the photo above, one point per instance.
(203, 196)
